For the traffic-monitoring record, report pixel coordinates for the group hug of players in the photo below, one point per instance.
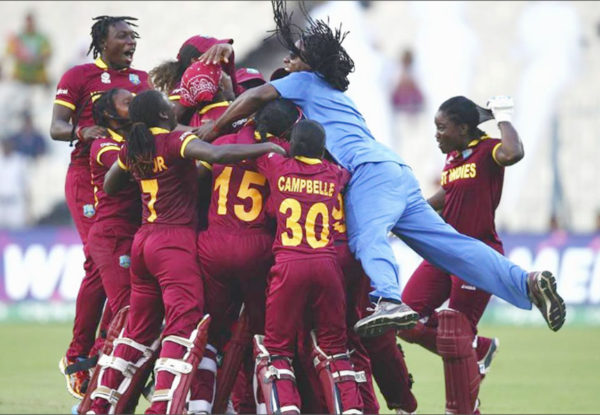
(219, 275)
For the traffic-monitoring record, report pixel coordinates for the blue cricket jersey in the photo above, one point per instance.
(348, 138)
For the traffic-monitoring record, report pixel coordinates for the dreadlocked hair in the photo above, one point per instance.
(321, 46)
(166, 75)
(144, 113)
(276, 117)
(462, 110)
(100, 31)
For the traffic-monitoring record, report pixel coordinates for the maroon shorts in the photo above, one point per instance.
(91, 296)
(297, 288)
(164, 271)
(110, 247)
(79, 195)
(234, 268)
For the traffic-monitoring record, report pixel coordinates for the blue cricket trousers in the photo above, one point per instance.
(383, 197)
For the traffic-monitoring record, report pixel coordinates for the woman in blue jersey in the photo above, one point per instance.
(383, 194)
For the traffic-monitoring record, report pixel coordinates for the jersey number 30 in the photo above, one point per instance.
(293, 207)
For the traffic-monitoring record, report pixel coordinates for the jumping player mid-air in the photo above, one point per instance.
(113, 46)
(383, 194)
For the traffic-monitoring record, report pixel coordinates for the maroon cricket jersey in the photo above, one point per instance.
(126, 204)
(175, 93)
(210, 112)
(81, 82)
(169, 194)
(239, 191)
(340, 236)
(304, 192)
(472, 180)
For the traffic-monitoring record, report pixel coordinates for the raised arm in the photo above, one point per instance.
(229, 153)
(510, 150)
(246, 104)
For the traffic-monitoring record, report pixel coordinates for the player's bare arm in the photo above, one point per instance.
(245, 105)
(200, 150)
(61, 128)
(116, 178)
(437, 200)
(510, 150)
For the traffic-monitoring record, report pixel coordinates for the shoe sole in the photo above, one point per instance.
(553, 306)
(379, 326)
(62, 368)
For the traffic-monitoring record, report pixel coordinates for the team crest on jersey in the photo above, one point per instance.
(134, 78)
(467, 153)
(89, 210)
(124, 261)
(105, 78)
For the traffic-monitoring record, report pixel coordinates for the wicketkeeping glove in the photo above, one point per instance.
(502, 107)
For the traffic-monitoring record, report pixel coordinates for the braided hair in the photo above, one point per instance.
(100, 31)
(276, 117)
(144, 112)
(321, 46)
(104, 110)
(462, 110)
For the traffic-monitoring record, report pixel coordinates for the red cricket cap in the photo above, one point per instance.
(248, 74)
(202, 43)
(199, 83)
(278, 74)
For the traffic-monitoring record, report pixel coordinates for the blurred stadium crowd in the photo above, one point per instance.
(410, 56)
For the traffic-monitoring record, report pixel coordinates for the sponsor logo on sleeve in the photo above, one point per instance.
(62, 91)
(185, 135)
(239, 123)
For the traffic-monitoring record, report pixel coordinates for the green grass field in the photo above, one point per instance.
(535, 371)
